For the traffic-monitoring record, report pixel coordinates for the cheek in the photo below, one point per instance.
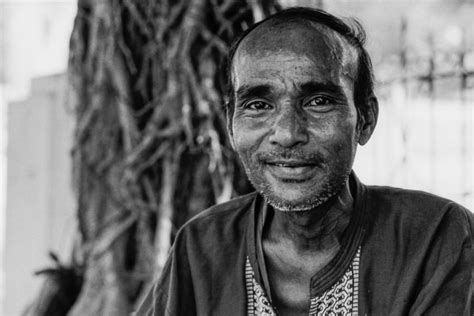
(334, 129)
(347, 136)
(246, 136)
(337, 136)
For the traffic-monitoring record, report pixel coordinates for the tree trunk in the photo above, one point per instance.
(150, 144)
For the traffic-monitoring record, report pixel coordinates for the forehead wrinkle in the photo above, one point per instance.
(281, 80)
(257, 79)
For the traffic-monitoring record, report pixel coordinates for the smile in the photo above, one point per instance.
(290, 164)
(292, 170)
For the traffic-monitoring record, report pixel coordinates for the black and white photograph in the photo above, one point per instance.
(236, 157)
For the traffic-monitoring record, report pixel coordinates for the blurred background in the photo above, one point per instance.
(423, 57)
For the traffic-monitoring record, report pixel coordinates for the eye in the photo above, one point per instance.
(318, 101)
(257, 106)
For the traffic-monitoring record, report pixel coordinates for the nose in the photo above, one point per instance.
(289, 129)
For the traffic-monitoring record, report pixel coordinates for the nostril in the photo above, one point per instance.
(288, 133)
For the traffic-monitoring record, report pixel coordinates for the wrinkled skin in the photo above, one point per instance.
(295, 124)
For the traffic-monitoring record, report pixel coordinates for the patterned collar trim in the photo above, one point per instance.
(340, 299)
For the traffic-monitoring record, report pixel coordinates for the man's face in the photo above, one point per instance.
(295, 123)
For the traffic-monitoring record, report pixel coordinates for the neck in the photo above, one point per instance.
(319, 229)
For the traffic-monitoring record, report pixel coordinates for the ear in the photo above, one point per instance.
(368, 120)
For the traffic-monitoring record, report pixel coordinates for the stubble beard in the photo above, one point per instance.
(331, 186)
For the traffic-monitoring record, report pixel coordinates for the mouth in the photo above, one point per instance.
(291, 170)
(290, 163)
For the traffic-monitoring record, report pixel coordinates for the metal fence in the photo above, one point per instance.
(424, 139)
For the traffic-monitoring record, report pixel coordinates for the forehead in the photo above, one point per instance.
(304, 47)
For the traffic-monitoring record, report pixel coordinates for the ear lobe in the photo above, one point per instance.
(369, 120)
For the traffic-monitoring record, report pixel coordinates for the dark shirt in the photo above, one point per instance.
(404, 253)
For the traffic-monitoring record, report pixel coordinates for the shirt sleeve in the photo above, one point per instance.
(173, 293)
(447, 285)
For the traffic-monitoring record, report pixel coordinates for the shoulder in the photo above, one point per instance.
(417, 211)
(224, 213)
(420, 245)
(412, 202)
(221, 223)
(224, 210)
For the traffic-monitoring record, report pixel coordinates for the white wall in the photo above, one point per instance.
(34, 40)
(40, 204)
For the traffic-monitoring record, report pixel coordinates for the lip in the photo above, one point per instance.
(290, 163)
(291, 170)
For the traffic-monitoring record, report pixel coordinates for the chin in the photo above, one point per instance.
(300, 197)
(297, 196)
(294, 205)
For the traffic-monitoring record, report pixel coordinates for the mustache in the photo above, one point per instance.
(290, 154)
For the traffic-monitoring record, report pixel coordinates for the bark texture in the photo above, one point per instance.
(150, 143)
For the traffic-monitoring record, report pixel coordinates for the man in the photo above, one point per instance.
(313, 240)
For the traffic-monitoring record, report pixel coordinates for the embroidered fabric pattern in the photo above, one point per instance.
(341, 298)
(257, 302)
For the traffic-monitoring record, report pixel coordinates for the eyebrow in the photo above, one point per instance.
(312, 86)
(247, 91)
(263, 90)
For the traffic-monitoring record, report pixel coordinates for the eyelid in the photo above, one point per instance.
(323, 96)
(245, 103)
(265, 105)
